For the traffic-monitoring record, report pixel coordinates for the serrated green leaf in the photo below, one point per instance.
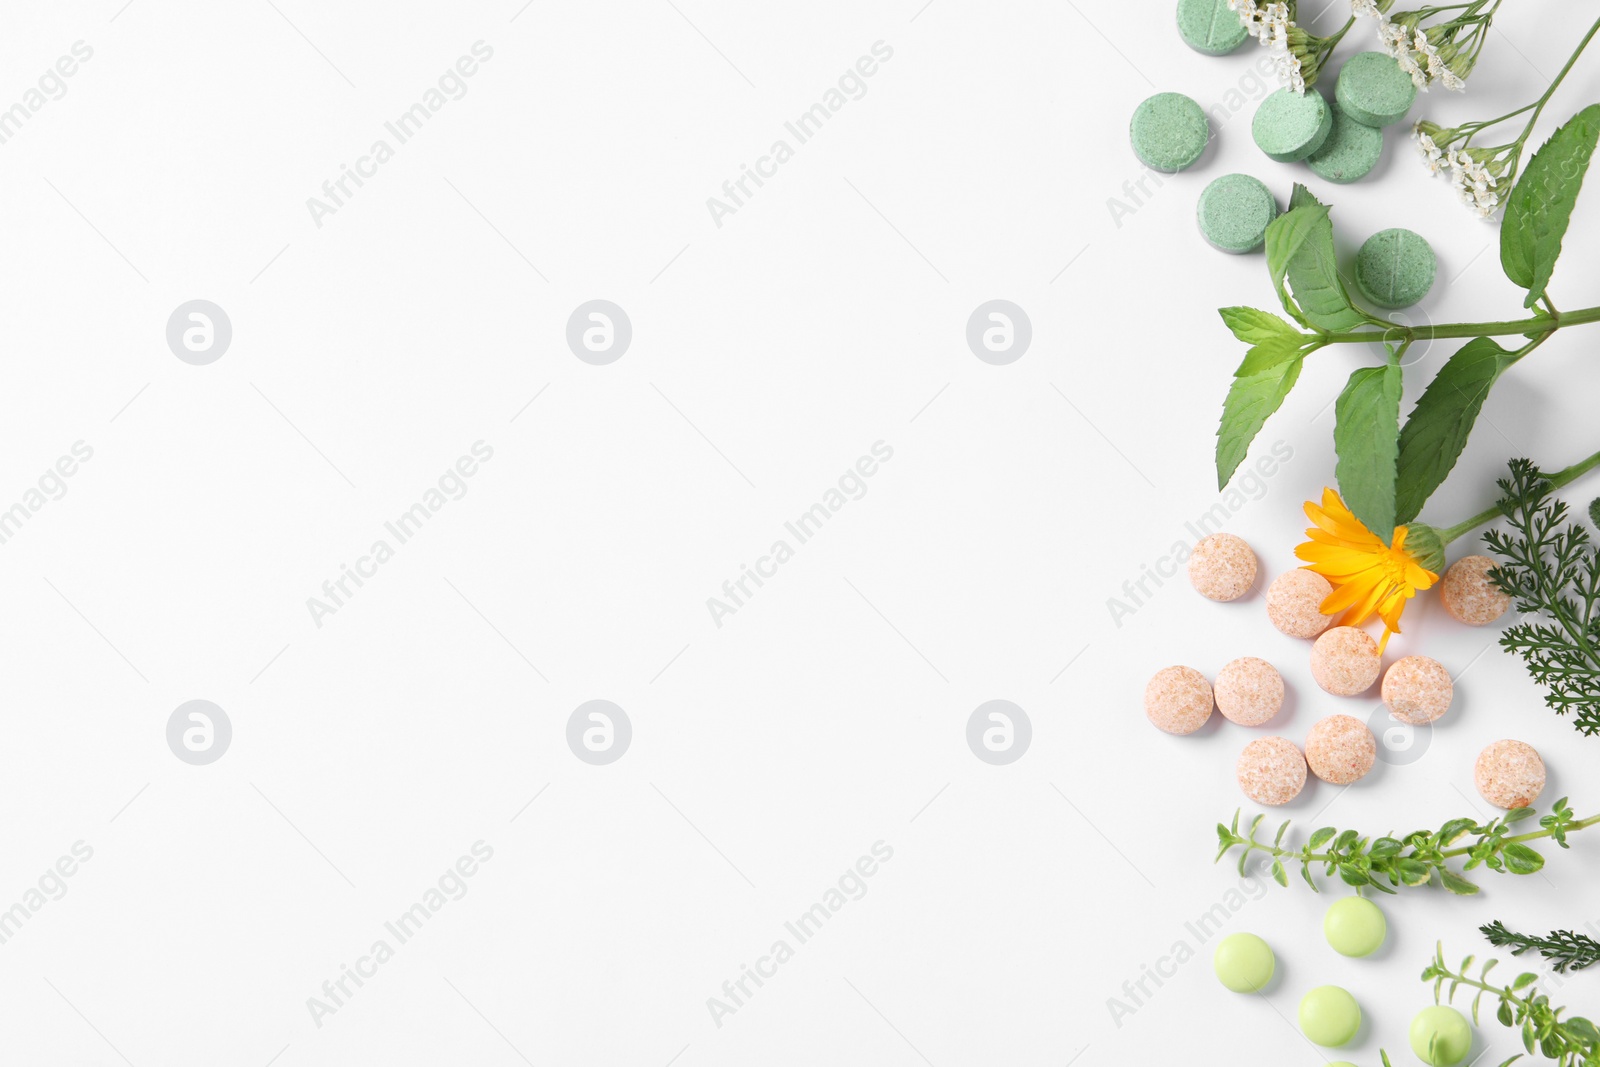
(1312, 273)
(1366, 435)
(1540, 207)
(1437, 429)
(1251, 401)
(1254, 326)
(1285, 236)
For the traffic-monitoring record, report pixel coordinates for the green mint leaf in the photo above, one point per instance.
(1251, 400)
(1285, 236)
(1272, 340)
(1540, 207)
(1311, 267)
(1437, 430)
(1366, 435)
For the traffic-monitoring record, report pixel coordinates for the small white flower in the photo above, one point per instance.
(1451, 82)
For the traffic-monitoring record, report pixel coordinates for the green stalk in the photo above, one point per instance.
(1540, 323)
(1560, 478)
(1449, 853)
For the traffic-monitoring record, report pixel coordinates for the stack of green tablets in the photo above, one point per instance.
(1342, 141)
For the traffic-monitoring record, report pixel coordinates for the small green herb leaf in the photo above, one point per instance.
(1437, 430)
(1520, 859)
(1366, 435)
(1251, 400)
(1540, 207)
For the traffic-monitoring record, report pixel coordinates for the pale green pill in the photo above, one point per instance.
(1244, 963)
(1349, 153)
(1234, 211)
(1395, 268)
(1289, 126)
(1210, 26)
(1355, 926)
(1330, 1016)
(1374, 90)
(1169, 132)
(1440, 1036)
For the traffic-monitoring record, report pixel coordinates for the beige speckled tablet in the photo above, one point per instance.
(1222, 567)
(1345, 661)
(1271, 770)
(1249, 691)
(1509, 774)
(1340, 749)
(1178, 700)
(1417, 690)
(1294, 603)
(1468, 593)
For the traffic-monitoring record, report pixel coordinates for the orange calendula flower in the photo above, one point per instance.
(1369, 577)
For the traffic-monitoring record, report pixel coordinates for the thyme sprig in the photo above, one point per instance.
(1572, 1041)
(1564, 949)
(1552, 570)
(1387, 863)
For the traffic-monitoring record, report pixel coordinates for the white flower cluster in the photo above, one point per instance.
(1406, 46)
(1473, 182)
(1269, 24)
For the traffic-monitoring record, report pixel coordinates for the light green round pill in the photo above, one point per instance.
(1374, 90)
(1210, 26)
(1440, 1036)
(1233, 213)
(1350, 151)
(1355, 926)
(1289, 126)
(1395, 268)
(1330, 1016)
(1244, 963)
(1169, 132)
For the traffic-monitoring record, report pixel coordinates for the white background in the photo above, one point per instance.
(768, 354)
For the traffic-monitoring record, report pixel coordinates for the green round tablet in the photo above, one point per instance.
(1169, 132)
(1355, 926)
(1350, 151)
(1289, 126)
(1210, 26)
(1441, 1036)
(1395, 268)
(1244, 963)
(1233, 213)
(1374, 90)
(1330, 1016)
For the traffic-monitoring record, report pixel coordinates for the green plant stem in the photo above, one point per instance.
(1560, 478)
(1535, 324)
(1551, 91)
(1277, 852)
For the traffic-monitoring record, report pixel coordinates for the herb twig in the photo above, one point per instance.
(1572, 1041)
(1564, 949)
(1419, 858)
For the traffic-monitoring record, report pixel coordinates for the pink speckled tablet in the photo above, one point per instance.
(1222, 567)
(1249, 691)
(1178, 700)
(1340, 749)
(1509, 774)
(1469, 595)
(1271, 770)
(1345, 661)
(1294, 603)
(1417, 690)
